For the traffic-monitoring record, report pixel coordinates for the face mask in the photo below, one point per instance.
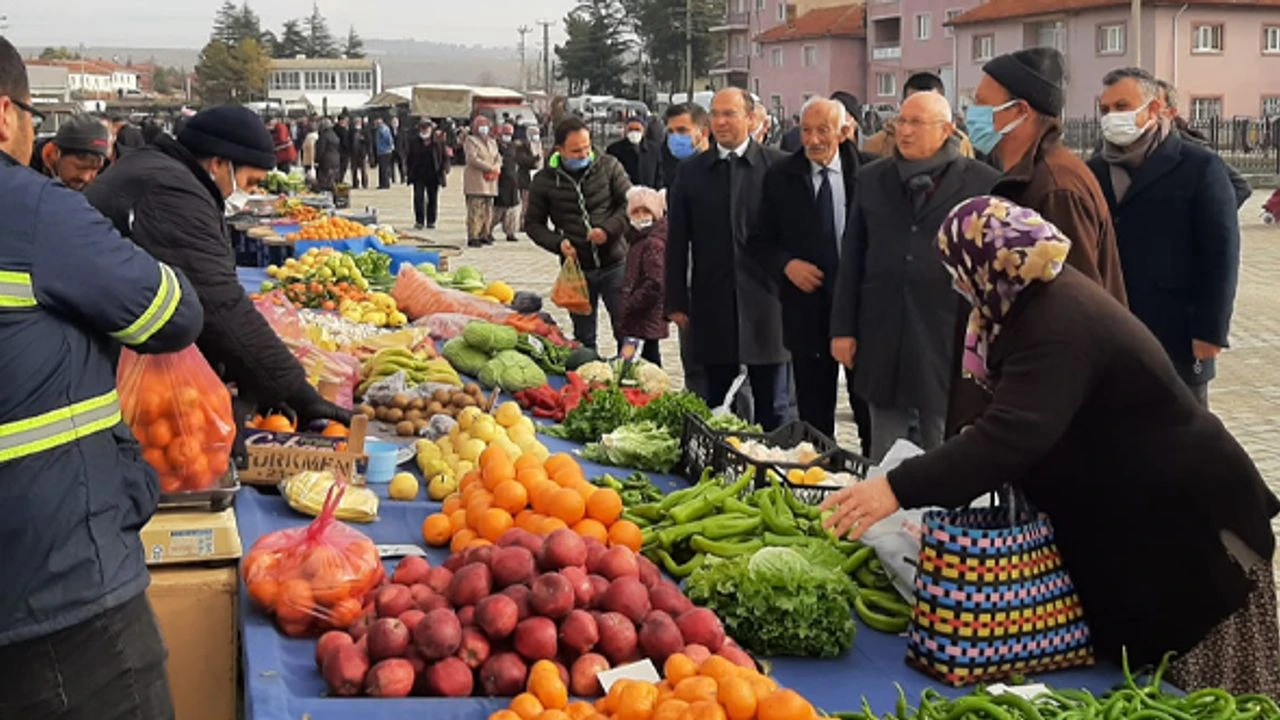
(533, 138)
(681, 146)
(980, 121)
(483, 129)
(425, 136)
(506, 138)
(634, 137)
(575, 164)
(236, 201)
(1121, 128)
(642, 223)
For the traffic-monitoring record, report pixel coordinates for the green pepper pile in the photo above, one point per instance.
(548, 356)
(1130, 701)
(636, 489)
(723, 519)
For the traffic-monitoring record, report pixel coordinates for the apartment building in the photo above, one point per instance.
(323, 85)
(910, 36)
(816, 53)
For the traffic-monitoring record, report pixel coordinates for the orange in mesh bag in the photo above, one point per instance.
(180, 412)
(570, 290)
(315, 578)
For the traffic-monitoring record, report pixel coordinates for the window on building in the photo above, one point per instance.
(739, 44)
(755, 85)
(1271, 39)
(360, 80)
(1048, 33)
(924, 25)
(782, 11)
(775, 101)
(321, 80)
(1206, 39)
(775, 57)
(1206, 108)
(1270, 106)
(809, 56)
(741, 6)
(984, 47)
(285, 80)
(757, 49)
(759, 5)
(886, 84)
(952, 14)
(1111, 39)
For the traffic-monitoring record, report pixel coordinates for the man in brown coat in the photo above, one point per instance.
(1014, 120)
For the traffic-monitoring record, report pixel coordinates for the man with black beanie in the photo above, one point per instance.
(76, 154)
(1014, 121)
(170, 198)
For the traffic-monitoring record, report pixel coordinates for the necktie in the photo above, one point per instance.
(827, 210)
(732, 160)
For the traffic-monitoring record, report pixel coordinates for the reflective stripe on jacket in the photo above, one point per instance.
(72, 482)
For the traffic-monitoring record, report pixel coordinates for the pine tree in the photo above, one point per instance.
(660, 26)
(320, 43)
(593, 56)
(226, 24)
(228, 73)
(355, 46)
(292, 41)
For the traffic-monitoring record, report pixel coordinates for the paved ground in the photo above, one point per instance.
(1246, 394)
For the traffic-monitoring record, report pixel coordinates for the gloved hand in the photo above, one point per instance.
(311, 406)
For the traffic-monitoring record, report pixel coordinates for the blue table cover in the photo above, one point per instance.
(283, 683)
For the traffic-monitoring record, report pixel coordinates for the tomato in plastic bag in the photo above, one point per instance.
(180, 412)
(315, 578)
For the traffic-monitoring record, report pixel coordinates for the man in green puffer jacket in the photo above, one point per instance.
(578, 209)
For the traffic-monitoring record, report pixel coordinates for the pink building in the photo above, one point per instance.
(743, 20)
(817, 53)
(1223, 56)
(910, 36)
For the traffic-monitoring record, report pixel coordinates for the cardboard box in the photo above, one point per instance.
(196, 608)
(274, 456)
(190, 537)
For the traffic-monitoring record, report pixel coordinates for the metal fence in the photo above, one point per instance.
(1250, 145)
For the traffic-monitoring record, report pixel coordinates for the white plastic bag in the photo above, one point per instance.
(896, 539)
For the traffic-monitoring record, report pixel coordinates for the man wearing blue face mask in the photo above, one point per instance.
(578, 209)
(1014, 121)
(1176, 222)
(687, 130)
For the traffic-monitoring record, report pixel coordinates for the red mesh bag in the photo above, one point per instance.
(180, 412)
(315, 578)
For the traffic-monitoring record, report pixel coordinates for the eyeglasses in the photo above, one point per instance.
(914, 123)
(37, 117)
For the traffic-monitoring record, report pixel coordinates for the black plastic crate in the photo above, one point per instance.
(706, 448)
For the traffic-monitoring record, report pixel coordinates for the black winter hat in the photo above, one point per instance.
(849, 101)
(83, 134)
(1035, 75)
(233, 132)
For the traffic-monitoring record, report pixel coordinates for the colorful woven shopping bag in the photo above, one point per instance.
(993, 599)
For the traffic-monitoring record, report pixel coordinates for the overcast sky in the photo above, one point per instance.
(186, 23)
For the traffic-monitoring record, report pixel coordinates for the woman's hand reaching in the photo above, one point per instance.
(859, 506)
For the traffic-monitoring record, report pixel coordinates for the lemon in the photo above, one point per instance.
(512, 450)
(734, 442)
(471, 450)
(404, 486)
(508, 414)
(795, 476)
(483, 428)
(441, 485)
(814, 476)
(538, 450)
(427, 449)
(468, 416)
(462, 467)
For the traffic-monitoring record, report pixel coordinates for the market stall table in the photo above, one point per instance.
(251, 252)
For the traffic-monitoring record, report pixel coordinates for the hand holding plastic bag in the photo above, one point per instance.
(315, 578)
(180, 412)
(570, 290)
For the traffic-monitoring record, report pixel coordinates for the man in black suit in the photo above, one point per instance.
(728, 297)
(797, 239)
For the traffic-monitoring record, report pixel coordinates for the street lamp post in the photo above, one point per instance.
(1135, 22)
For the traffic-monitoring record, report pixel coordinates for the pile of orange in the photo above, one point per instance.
(540, 497)
(715, 689)
(331, 228)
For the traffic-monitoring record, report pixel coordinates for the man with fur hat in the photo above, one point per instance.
(1014, 120)
(170, 198)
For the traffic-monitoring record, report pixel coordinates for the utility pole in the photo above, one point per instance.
(1135, 35)
(688, 45)
(546, 57)
(524, 76)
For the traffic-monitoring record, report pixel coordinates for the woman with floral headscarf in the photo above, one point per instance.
(1160, 515)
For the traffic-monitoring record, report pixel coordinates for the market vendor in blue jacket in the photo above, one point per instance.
(77, 636)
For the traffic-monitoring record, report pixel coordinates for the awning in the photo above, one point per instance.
(387, 98)
(334, 103)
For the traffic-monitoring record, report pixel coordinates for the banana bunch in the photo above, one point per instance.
(379, 310)
(417, 368)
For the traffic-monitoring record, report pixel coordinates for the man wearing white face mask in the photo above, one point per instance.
(1175, 216)
(170, 198)
(639, 157)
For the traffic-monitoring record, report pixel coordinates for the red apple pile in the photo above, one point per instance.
(475, 625)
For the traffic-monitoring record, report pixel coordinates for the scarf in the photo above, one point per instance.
(908, 169)
(1124, 161)
(993, 250)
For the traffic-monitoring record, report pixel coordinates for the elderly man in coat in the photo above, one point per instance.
(730, 299)
(1175, 217)
(894, 311)
(797, 238)
(480, 180)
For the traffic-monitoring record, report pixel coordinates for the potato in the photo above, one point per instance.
(417, 404)
(405, 428)
(367, 411)
(381, 413)
(412, 415)
(462, 401)
(394, 415)
(400, 401)
(435, 407)
(421, 424)
(472, 389)
(442, 396)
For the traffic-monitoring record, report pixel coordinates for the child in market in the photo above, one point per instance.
(642, 286)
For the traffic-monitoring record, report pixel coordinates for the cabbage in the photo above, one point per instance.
(489, 337)
(464, 358)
